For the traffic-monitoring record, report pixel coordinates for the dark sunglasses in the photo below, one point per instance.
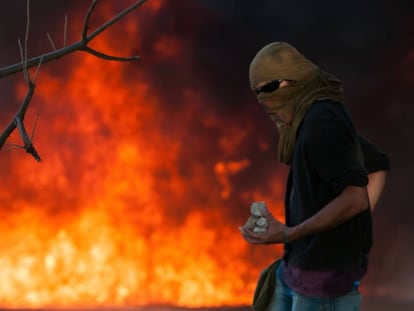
(268, 87)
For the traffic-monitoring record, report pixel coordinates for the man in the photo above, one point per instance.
(327, 235)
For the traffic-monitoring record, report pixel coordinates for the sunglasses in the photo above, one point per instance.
(268, 87)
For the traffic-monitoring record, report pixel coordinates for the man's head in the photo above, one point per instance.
(286, 83)
(277, 75)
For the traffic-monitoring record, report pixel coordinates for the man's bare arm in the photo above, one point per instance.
(352, 201)
(375, 187)
(349, 203)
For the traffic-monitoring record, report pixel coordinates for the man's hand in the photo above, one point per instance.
(275, 233)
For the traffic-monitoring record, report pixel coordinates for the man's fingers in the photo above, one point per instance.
(246, 232)
(249, 236)
(243, 231)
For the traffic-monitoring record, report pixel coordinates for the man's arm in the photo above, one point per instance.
(349, 203)
(352, 201)
(376, 183)
(377, 163)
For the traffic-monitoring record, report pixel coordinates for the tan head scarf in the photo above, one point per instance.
(280, 60)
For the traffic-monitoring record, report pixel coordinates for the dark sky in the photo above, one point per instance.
(369, 45)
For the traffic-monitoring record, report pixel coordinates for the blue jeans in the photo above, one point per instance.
(284, 299)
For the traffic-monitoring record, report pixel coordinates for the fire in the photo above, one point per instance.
(132, 204)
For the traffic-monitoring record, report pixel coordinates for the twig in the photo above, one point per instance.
(13, 146)
(28, 145)
(34, 127)
(51, 41)
(86, 21)
(37, 69)
(114, 19)
(26, 37)
(65, 30)
(24, 61)
(109, 57)
(19, 117)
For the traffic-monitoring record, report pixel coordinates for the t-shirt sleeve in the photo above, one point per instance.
(334, 150)
(374, 158)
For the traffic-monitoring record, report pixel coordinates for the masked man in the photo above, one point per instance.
(335, 177)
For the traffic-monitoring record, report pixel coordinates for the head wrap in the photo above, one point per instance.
(307, 83)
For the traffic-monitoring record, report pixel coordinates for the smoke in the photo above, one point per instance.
(195, 56)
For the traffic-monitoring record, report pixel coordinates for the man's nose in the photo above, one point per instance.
(266, 103)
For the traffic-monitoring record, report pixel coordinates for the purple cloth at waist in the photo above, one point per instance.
(314, 283)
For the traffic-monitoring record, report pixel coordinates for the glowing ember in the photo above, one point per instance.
(129, 206)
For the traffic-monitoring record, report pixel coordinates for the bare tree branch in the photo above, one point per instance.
(26, 64)
(47, 57)
(28, 145)
(109, 57)
(86, 21)
(114, 19)
(77, 46)
(19, 117)
(18, 122)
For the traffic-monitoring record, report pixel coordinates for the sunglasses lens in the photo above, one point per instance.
(272, 86)
(269, 87)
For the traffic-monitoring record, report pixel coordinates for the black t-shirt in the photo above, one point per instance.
(328, 157)
(374, 158)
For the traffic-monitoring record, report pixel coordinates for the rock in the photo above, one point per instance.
(251, 222)
(262, 222)
(258, 208)
(259, 230)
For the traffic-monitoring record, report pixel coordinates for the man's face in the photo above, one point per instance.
(279, 116)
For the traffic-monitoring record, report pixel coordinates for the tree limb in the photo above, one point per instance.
(25, 64)
(114, 19)
(86, 22)
(19, 117)
(109, 57)
(80, 45)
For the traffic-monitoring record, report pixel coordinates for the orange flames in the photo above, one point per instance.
(132, 204)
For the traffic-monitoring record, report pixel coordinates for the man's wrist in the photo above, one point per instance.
(286, 234)
(291, 234)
